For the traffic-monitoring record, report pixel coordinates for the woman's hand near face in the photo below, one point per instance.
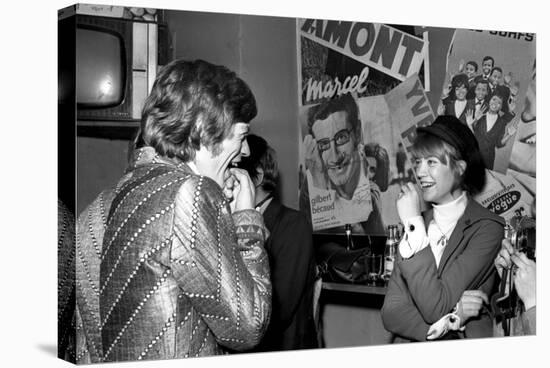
(239, 189)
(408, 202)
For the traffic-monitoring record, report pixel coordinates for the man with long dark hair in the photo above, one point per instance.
(291, 256)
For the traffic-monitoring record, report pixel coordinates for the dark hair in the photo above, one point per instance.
(381, 177)
(488, 58)
(472, 63)
(460, 80)
(483, 81)
(193, 104)
(456, 81)
(501, 93)
(437, 140)
(344, 103)
(264, 157)
(497, 68)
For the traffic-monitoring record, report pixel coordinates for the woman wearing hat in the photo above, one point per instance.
(449, 248)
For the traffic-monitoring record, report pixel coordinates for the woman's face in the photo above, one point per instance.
(215, 165)
(495, 104)
(371, 162)
(437, 180)
(470, 70)
(460, 92)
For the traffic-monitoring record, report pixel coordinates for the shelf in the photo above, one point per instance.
(108, 123)
(355, 288)
(342, 233)
(124, 130)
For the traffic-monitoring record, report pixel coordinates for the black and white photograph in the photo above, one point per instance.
(187, 244)
(275, 184)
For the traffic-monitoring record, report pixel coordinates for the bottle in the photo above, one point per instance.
(389, 252)
(349, 240)
(397, 238)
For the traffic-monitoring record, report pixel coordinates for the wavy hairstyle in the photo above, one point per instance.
(264, 157)
(193, 104)
(380, 154)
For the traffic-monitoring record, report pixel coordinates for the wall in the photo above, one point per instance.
(269, 65)
(100, 163)
(262, 50)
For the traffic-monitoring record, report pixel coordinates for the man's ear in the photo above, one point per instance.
(259, 176)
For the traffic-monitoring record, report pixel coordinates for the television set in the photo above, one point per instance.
(116, 62)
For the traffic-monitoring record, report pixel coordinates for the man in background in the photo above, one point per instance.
(486, 66)
(291, 256)
(400, 161)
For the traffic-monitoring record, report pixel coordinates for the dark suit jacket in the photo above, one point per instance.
(450, 109)
(490, 140)
(292, 265)
(419, 293)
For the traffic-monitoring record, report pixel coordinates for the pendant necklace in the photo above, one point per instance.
(443, 240)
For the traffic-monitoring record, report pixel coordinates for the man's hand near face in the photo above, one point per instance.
(314, 163)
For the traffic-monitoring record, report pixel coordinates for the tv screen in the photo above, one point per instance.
(100, 68)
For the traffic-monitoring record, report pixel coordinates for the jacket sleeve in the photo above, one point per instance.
(291, 254)
(219, 261)
(90, 230)
(436, 295)
(399, 314)
(303, 200)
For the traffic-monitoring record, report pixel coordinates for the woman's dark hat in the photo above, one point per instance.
(455, 133)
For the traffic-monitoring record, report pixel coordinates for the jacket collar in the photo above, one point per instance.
(473, 213)
(271, 213)
(148, 156)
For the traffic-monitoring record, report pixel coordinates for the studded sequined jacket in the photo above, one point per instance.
(65, 282)
(164, 270)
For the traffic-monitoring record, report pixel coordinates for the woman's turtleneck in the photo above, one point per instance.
(446, 215)
(441, 227)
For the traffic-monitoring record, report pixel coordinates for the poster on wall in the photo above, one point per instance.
(491, 86)
(352, 176)
(360, 91)
(488, 74)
